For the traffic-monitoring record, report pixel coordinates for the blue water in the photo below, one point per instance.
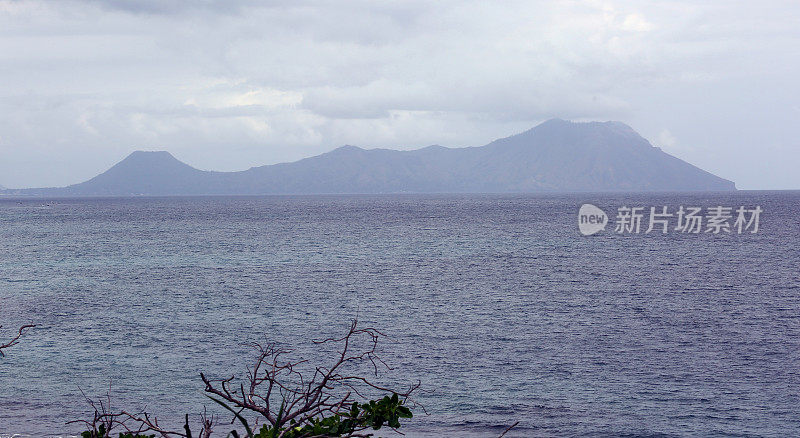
(496, 304)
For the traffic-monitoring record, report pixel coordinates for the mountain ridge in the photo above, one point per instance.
(556, 155)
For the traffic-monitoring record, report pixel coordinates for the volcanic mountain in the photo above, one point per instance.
(555, 156)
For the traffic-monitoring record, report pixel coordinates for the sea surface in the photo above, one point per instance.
(497, 304)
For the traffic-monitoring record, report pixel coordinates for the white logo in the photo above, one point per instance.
(633, 220)
(591, 219)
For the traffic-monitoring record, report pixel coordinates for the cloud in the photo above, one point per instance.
(179, 7)
(636, 23)
(259, 82)
(665, 139)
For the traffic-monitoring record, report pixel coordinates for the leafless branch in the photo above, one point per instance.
(508, 429)
(15, 339)
(279, 391)
(137, 423)
(282, 392)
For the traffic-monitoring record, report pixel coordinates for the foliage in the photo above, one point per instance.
(370, 415)
(101, 432)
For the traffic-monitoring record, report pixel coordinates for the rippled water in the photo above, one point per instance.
(496, 303)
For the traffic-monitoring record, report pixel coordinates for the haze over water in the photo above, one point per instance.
(496, 303)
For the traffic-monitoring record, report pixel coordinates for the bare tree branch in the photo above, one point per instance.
(288, 395)
(15, 339)
(135, 424)
(280, 392)
(508, 429)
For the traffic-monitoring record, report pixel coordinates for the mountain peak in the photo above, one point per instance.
(150, 155)
(152, 172)
(346, 149)
(149, 162)
(433, 147)
(143, 152)
(571, 131)
(567, 124)
(556, 121)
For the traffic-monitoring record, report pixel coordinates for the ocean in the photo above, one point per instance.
(496, 304)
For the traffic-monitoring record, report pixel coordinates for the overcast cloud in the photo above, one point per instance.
(226, 85)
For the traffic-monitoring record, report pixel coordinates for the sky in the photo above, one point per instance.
(230, 84)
